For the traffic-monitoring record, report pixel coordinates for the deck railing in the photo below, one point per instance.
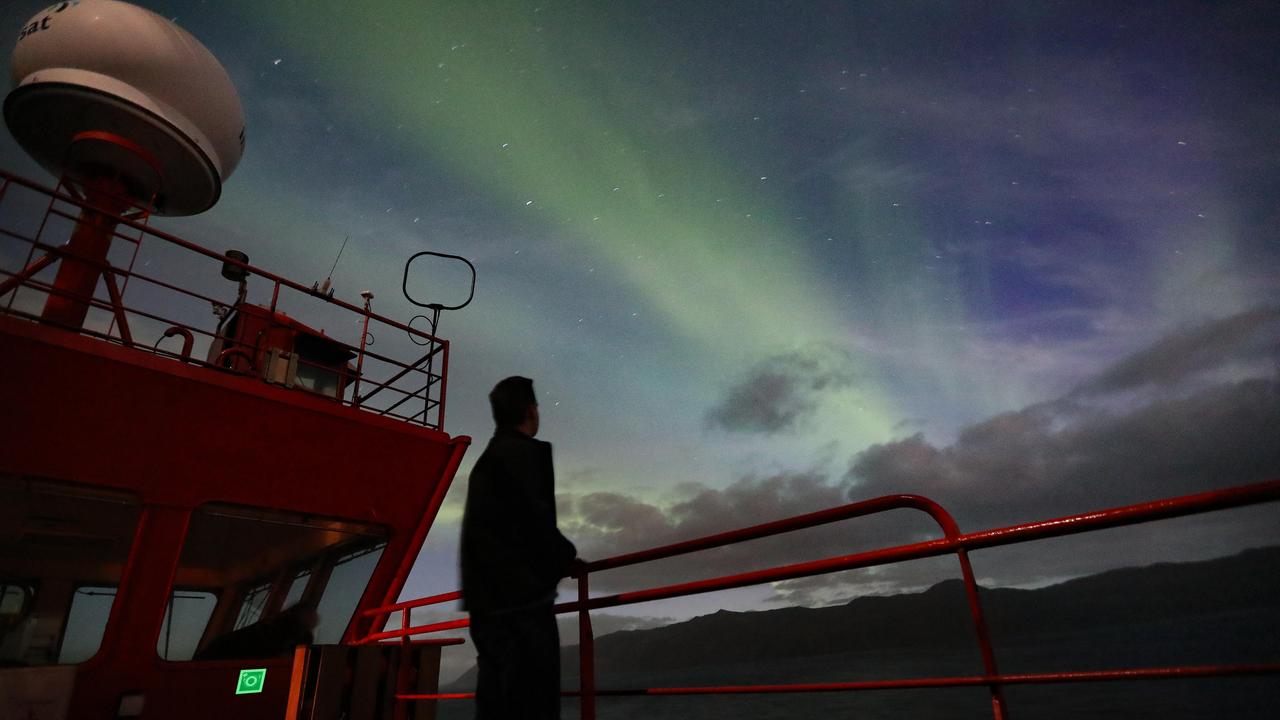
(953, 541)
(160, 292)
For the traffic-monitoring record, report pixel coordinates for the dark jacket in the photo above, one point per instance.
(512, 553)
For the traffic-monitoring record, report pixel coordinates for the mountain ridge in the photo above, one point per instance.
(1211, 597)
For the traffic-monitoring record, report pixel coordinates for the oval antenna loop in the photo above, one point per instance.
(404, 284)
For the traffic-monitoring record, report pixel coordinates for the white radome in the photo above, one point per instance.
(102, 66)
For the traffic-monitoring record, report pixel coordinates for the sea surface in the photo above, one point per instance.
(1234, 637)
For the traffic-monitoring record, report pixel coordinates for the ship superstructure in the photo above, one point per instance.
(193, 480)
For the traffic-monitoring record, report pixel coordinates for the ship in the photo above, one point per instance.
(209, 505)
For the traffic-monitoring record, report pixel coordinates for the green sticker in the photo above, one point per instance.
(251, 681)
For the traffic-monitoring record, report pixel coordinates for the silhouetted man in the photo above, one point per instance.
(512, 558)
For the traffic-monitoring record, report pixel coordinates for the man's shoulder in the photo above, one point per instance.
(515, 446)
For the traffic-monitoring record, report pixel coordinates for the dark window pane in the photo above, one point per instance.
(285, 579)
(86, 623)
(251, 607)
(317, 379)
(185, 619)
(347, 582)
(15, 600)
(296, 589)
(62, 549)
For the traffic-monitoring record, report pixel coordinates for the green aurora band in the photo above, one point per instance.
(559, 122)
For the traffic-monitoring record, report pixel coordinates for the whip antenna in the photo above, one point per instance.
(335, 260)
(325, 289)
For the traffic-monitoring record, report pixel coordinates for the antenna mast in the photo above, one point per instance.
(325, 289)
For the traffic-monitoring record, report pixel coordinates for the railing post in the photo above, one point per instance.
(364, 338)
(403, 670)
(444, 385)
(998, 709)
(951, 531)
(586, 651)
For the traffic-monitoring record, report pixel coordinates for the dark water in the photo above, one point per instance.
(1205, 641)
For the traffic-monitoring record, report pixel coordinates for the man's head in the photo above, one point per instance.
(514, 405)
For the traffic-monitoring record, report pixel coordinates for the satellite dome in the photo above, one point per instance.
(105, 85)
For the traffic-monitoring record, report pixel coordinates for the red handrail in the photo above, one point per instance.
(953, 541)
(428, 387)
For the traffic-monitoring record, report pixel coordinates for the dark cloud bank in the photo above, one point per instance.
(1198, 410)
(781, 392)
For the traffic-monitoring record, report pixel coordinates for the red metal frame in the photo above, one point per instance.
(953, 541)
(177, 433)
(415, 381)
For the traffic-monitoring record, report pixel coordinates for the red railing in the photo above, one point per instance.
(186, 284)
(953, 541)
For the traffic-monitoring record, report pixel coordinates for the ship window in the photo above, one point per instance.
(252, 605)
(297, 587)
(86, 622)
(62, 550)
(185, 618)
(275, 579)
(14, 602)
(316, 379)
(346, 584)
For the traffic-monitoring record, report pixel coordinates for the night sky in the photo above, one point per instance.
(762, 258)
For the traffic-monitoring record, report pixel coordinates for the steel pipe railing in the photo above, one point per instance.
(427, 387)
(952, 541)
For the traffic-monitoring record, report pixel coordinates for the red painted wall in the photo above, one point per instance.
(82, 410)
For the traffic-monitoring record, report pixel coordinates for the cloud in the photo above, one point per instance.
(838, 588)
(1073, 454)
(1246, 336)
(603, 623)
(1055, 459)
(609, 524)
(1084, 451)
(781, 392)
(604, 524)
